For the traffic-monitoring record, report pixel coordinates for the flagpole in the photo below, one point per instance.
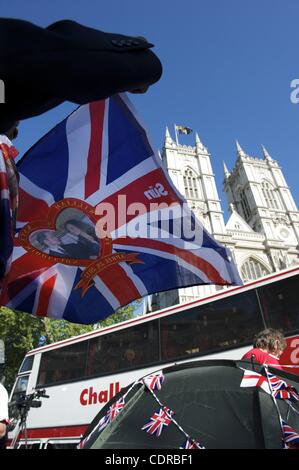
(176, 135)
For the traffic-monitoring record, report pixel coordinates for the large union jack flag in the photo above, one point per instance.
(71, 260)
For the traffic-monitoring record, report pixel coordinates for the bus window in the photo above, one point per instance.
(126, 349)
(280, 304)
(63, 364)
(27, 364)
(29, 445)
(223, 324)
(55, 444)
(20, 388)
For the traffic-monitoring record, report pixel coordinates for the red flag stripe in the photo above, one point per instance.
(120, 284)
(132, 194)
(30, 208)
(92, 177)
(21, 271)
(44, 296)
(187, 256)
(3, 180)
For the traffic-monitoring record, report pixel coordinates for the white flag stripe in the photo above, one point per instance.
(78, 138)
(165, 255)
(106, 293)
(45, 276)
(136, 279)
(18, 251)
(20, 225)
(139, 170)
(105, 149)
(35, 191)
(23, 294)
(253, 379)
(63, 288)
(4, 194)
(208, 254)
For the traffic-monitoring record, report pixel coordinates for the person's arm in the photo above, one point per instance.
(2, 429)
(3, 411)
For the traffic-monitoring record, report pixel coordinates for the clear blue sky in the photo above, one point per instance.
(227, 64)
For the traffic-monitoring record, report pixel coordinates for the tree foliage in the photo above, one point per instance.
(22, 332)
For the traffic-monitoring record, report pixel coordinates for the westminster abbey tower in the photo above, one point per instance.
(263, 228)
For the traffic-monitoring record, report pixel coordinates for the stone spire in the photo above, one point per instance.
(199, 145)
(240, 151)
(168, 139)
(226, 172)
(267, 156)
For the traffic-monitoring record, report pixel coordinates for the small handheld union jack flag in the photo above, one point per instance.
(154, 381)
(115, 409)
(290, 437)
(161, 418)
(191, 444)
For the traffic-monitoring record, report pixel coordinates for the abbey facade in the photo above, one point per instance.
(263, 228)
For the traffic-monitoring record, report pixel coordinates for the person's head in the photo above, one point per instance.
(12, 132)
(74, 226)
(270, 340)
(130, 355)
(48, 238)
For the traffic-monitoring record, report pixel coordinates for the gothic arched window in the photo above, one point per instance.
(190, 184)
(244, 204)
(269, 195)
(253, 269)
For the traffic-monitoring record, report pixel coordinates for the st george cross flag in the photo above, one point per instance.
(100, 224)
(253, 379)
(271, 384)
(8, 203)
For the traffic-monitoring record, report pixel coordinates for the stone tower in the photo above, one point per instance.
(263, 228)
(257, 191)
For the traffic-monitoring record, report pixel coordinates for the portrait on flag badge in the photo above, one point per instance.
(74, 237)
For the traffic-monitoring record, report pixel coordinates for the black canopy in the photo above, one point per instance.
(209, 405)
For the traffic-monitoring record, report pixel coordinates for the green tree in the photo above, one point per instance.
(22, 332)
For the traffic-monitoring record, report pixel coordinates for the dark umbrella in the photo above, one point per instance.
(209, 406)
